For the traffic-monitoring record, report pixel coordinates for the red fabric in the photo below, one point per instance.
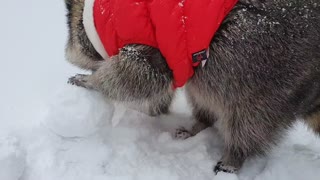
(178, 28)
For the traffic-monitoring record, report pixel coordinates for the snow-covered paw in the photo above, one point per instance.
(220, 167)
(80, 80)
(182, 133)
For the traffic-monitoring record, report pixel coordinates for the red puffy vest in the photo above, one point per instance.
(180, 29)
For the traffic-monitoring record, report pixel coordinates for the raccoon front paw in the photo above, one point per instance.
(220, 167)
(80, 80)
(182, 133)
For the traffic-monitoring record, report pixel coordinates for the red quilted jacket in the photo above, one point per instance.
(181, 29)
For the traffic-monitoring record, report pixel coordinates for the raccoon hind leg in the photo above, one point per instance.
(204, 119)
(160, 105)
(203, 116)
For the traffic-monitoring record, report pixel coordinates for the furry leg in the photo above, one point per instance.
(136, 74)
(158, 106)
(249, 132)
(81, 80)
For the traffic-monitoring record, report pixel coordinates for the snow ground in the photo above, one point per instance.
(52, 131)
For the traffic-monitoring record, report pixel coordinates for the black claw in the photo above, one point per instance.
(77, 80)
(70, 81)
(220, 168)
(217, 168)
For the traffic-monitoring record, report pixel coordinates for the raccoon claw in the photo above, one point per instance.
(79, 80)
(182, 133)
(220, 167)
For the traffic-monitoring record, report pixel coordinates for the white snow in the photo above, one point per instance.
(65, 119)
(52, 131)
(12, 159)
(223, 176)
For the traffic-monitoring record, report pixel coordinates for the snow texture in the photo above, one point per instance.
(65, 119)
(223, 176)
(12, 159)
(52, 131)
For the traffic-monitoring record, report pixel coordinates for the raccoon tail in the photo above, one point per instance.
(68, 4)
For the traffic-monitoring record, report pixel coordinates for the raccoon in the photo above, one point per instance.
(262, 74)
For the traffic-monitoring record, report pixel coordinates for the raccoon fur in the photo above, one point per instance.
(263, 73)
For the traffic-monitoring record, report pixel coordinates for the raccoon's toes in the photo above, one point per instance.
(182, 133)
(80, 80)
(221, 167)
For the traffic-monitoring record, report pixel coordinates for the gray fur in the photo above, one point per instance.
(79, 50)
(263, 72)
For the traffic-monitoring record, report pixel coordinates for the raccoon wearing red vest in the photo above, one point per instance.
(262, 74)
(180, 29)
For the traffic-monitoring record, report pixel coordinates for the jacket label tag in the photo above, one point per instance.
(201, 56)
